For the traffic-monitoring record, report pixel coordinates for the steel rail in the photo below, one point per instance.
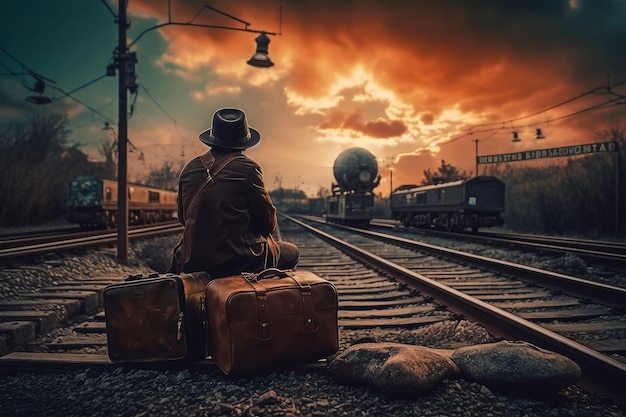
(41, 238)
(83, 242)
(6, 238)
(579, 287)
(598, 252)
(569, 242)
(598, 292)
(610, 253)
(600, 373)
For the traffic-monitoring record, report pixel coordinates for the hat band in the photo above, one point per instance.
(226, 142)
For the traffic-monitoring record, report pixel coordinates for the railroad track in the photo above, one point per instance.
(25, 247)
(608, 253)
(387, 286)
(6, 238)
(601, 246)
(537, 306)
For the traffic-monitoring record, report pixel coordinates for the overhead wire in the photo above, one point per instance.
(87, 106)
(29, 71)
(609, 103)
(472, 130)
(32, 73)
(593, 90)
(51, 83)
(26, 70)
(163, 110)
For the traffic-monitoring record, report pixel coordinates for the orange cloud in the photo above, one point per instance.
(418, 78)
(354, 121)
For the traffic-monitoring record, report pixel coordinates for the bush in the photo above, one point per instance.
(577, 197)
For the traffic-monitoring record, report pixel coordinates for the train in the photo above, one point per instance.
(454, 206)
(92, 203)
(351, 201)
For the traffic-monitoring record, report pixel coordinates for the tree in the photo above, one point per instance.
(108, 152)
(323, 192)
(445, 173)
(37, 160)
(165, 177)
(578, 196)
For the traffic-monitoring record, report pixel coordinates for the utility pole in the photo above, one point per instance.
(617, 193)
(125, 63)
(476, 172)
(122, 139)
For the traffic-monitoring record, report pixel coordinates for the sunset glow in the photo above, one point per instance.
(412, 81)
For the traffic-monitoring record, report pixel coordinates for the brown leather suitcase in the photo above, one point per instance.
(272, 319)
(156, 318)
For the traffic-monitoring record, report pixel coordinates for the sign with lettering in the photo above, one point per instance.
(548, 153)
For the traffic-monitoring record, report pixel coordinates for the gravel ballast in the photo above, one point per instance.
(306, 391)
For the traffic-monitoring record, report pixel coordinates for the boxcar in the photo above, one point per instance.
(471, 203)
(92, 202)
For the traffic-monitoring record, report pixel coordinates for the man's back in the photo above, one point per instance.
(229, 226)
(230, 219)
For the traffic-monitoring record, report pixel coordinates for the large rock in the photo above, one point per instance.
(395, 368)
(516, 366)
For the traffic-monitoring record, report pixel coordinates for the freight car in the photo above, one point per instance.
(352, 200)
(92, 202)
(454, 206)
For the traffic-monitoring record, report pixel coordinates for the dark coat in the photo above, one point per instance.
(228, 228)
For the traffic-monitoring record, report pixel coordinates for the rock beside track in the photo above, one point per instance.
(289, 392)
(408, 370)
(395, 368)
(516, 366)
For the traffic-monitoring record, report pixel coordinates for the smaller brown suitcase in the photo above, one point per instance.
(156, 318)
(271, 319)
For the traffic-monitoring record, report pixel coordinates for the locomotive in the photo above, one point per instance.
(92, 202)
(453, 206)
(352, 200)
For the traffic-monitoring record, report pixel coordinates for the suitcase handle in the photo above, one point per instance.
(269, 273)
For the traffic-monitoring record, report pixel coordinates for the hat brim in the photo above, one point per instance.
(207, 138)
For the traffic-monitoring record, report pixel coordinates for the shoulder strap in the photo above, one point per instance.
(212, 169)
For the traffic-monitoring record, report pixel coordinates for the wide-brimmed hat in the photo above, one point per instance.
(230, 130)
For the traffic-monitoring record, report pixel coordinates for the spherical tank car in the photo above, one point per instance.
(352, 200)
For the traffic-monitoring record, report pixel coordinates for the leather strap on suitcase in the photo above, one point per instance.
(308, 324)
(265, 329)
(196, 330)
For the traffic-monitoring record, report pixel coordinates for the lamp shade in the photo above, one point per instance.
(539, 134)
(261, 57)
(40, 98)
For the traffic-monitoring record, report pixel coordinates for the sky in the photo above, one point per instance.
(414, 82)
